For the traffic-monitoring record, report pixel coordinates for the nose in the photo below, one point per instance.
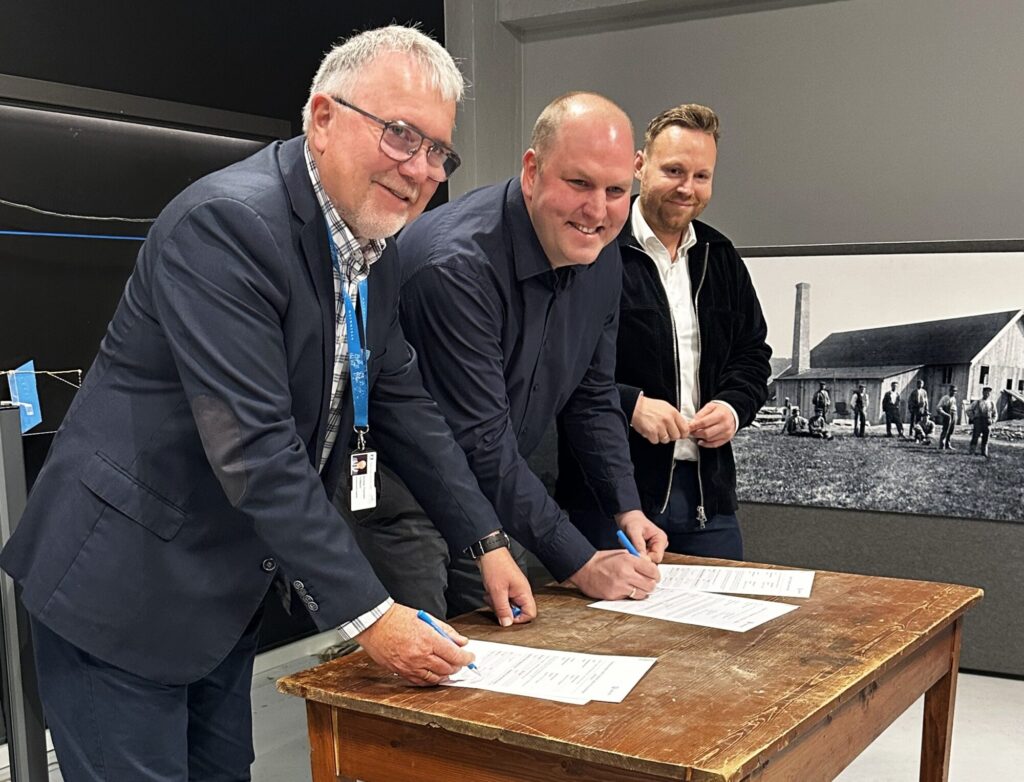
(416, 167)
(685, 185)
(596, 205)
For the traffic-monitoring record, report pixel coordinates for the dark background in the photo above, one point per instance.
(56, 295)
(256, 57)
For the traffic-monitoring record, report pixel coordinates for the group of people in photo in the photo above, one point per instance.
(923, 422)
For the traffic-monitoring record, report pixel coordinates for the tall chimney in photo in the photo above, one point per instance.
(801, 360)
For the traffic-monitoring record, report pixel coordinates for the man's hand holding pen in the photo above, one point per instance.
(505, 585)
(403, 644)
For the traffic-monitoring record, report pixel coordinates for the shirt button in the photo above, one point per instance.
(269, 565)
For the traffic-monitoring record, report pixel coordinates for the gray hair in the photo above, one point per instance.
(339, 70)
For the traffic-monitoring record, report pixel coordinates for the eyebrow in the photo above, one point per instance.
(427, 136)
(679, 164)
(580, 174)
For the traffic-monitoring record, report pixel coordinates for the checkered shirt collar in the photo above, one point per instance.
(356, 258)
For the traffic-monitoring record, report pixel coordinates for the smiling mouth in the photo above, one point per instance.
(408, 198)
(585, 230)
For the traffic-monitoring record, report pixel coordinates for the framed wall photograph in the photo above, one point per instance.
(886, 338)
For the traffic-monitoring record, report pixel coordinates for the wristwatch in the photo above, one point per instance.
(493, 541)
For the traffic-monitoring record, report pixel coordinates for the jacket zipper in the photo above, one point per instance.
(675, 357)
(702, 517)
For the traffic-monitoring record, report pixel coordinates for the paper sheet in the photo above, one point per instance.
(569, 677)
(706, 609)
(737, 580)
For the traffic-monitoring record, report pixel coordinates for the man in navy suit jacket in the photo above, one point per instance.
(199, 456)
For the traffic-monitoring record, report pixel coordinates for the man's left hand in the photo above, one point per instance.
(644, 534)
(713, 426)
(505, 584)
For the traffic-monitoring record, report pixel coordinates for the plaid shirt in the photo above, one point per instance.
(354, 264)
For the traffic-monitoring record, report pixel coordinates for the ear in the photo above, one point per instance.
(528, 178)
(320, 117)
(638, 164)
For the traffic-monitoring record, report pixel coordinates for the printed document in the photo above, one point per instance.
(706, 609)
(737, 580)
(569, 677)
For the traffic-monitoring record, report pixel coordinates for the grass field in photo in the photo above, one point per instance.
(884, 474)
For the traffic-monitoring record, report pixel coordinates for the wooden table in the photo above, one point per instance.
(796, 699)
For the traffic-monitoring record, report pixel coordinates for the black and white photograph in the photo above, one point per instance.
(897, 385)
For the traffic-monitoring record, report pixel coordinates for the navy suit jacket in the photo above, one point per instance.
(183, 475)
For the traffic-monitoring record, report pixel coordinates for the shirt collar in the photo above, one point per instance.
(341, 234)
(529, 256)
(652, 245)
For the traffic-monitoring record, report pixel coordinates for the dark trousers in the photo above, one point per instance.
(980, 430)
(948, 423)
(410, 557)
(109, 725)
(893, 417)
(916, 417)
(859, 422)
(720, 536)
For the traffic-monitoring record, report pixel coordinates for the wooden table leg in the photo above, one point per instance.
(323, 748)
(939, 702)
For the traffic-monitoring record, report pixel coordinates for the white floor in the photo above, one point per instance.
(988, 734)
(988, 737)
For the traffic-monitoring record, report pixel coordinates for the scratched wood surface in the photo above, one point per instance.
(716, 703)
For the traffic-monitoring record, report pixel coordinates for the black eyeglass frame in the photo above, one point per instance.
(451, 158)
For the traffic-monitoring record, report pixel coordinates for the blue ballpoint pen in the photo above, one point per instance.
(423, 615)
(626, 544)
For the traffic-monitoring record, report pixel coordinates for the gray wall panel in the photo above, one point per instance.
(986, 554)
(858, 121)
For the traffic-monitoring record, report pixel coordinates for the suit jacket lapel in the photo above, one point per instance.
(316, 257)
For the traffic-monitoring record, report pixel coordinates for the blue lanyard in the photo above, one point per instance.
(358, 357)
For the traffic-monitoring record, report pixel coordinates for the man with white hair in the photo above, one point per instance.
(258, 331)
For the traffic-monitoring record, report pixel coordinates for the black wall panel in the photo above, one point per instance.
(255, 57)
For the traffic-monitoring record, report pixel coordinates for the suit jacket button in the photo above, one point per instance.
(269, 565)
(312, 606)
(298, 586)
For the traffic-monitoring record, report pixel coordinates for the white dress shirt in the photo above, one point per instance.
(675, 278)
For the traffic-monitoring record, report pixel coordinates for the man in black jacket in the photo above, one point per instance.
(692, 362)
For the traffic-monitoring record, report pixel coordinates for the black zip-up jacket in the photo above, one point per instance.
(733, 366)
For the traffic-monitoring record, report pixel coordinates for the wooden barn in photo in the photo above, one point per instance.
(969, 352)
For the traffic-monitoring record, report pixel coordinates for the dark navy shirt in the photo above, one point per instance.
(506, 343)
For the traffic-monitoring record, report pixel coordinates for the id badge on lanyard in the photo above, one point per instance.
(363, 460)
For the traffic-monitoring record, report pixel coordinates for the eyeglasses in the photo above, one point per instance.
(401, 141)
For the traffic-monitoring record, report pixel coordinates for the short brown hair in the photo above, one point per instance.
(685, 115)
